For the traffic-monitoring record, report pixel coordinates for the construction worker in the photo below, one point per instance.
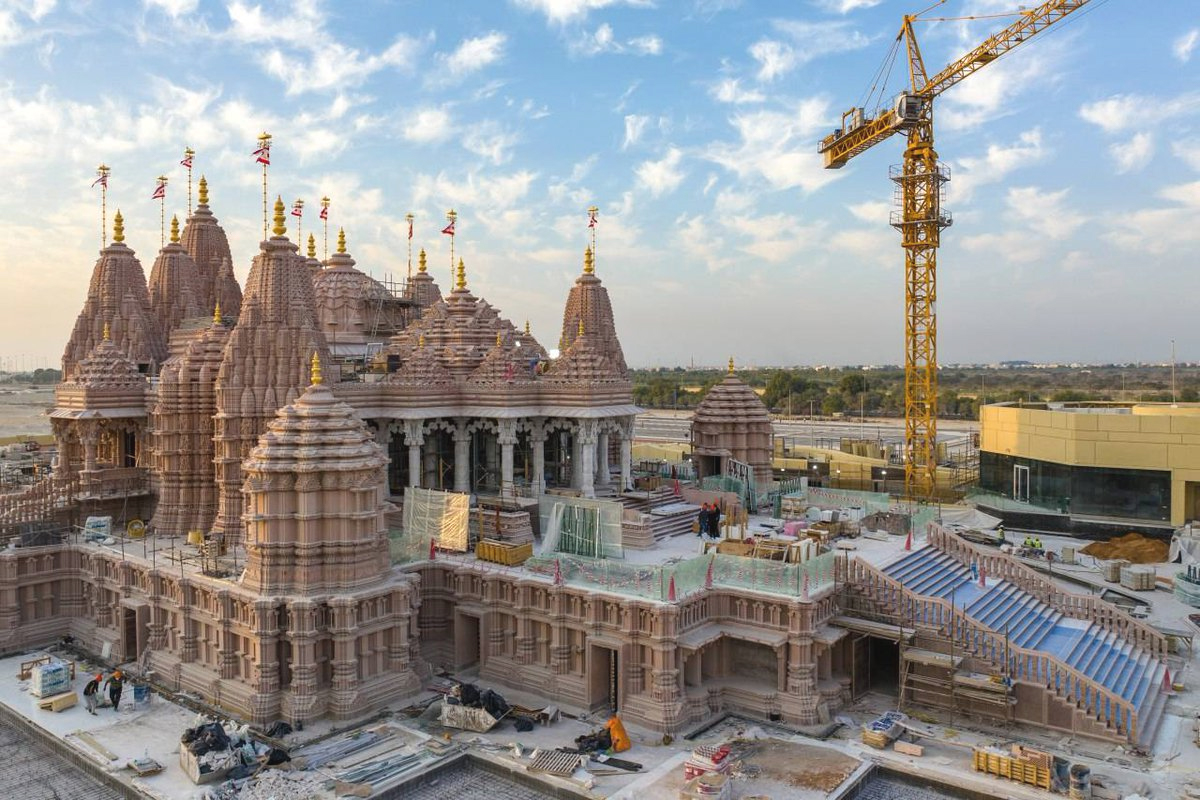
(1000, 532)
(617, 735)
(90, 691)
(115, 684)
(703, 519)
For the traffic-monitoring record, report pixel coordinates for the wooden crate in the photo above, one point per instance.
(58, 702)
(503, 552)
(876, 739)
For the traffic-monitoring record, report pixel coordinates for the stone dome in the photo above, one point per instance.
(175, 293)
(206, 242)
(584, 363)
(732, 422)
(504, 363)
(316, 433)
(106, 367)
(421, 367)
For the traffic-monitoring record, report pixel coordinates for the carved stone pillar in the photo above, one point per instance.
(507, 437)
(537, 441)
(626, 454)
(414, 436)
(462, 457)
(266, 630)
(344, 683)
(602, 478)
(587, 458)
(90, 437)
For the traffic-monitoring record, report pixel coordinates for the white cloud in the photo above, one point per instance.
(995, 164)
(1044, 212)
(428, 125)
(872, 211)
(604, 40)
(777, 146)
(305, 56)
(1185, 45)
(809, 40)
(173, 8)
(846, 6)
(1189, 151)
(489, 140)
(1134, 154)
(729, 90)
(649, 45)
(1013, 246)
(1161, 230)
(1123, 112)
(564, 11)
(635, 126)
(990, 93)
(662, 176)
(472, 55)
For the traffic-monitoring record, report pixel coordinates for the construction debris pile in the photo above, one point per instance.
(208, 752)
(1132, 547)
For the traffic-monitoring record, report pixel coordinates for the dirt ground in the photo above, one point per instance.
(1132, 547)
(798, 766)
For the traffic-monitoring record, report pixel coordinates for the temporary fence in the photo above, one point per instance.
(921, 515)
(727, 483)
(439, 516)
(684, 578)
(581, 526)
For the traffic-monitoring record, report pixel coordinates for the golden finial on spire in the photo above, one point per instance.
(499, 339)
(217, 313)
(312, 246)
(589, 266)
(526, 327)
(421, 261)
(731, 365)
(106, 332)
(316, 369)
(461, 281)
(581, 326)
(341, 240)
(280, 228)
(421, 340)
(118, 227)
(174, 229)
(203, 191)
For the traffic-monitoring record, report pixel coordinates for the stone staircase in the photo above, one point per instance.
(1103, 656)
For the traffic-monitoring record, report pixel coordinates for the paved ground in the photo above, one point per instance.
(31, 771)
(465, 781)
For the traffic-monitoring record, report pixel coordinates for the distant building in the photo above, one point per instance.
(1134, 463)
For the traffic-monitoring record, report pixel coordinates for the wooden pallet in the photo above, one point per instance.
(503, 552)
(59, 701)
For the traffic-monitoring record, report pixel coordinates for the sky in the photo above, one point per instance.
(691, 124)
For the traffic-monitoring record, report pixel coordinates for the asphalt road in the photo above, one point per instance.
(675, 426)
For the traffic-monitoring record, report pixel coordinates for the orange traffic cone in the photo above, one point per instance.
(1166, 687)
(908, 541)
(671, 590)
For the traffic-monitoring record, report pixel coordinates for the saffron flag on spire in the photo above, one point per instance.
(324, 212)
(263, 154)
(449, 229)
(187, 159)
(160, 191)
(297, 209)
(410, 227)
(102, 180)
(592, 220)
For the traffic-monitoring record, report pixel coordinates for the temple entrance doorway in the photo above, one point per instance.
(874, 666)
(603, 684)
(466, 641)
(135, 630)
(438, 461)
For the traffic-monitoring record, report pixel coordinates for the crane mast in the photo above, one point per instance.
(920, 219)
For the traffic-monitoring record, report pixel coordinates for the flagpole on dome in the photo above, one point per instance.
(325, 219)
(593, 221)
(451, 215)
(298, 213)
(187, 162)
(160, 194)
(263, 156)
(409, 219)
(102, 172)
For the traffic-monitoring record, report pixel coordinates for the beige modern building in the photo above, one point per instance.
(1130, 462)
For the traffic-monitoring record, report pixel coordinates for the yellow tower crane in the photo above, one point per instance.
(920, 220)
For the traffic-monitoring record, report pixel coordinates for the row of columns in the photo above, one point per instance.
(589, 453)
